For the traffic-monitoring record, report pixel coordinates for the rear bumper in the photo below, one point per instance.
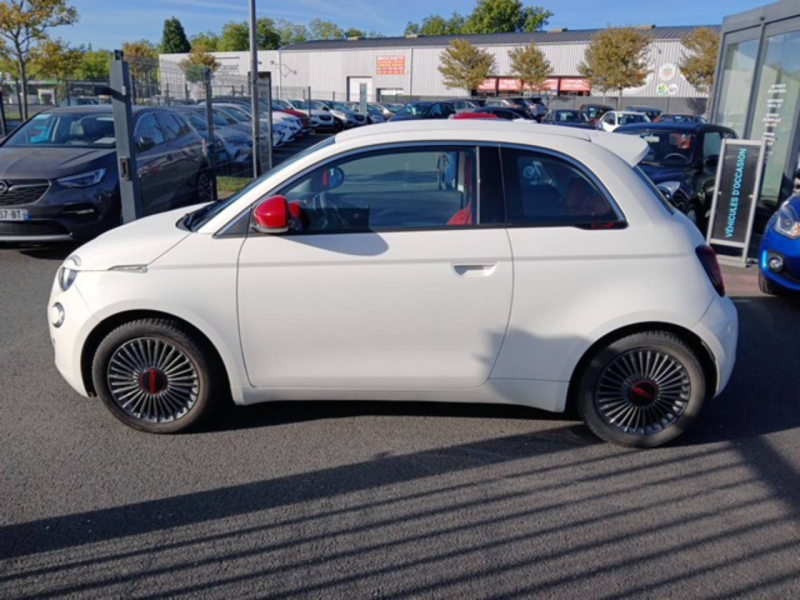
(719, 330)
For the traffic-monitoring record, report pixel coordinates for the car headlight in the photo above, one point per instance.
(668, 188)
(82, 180)
(787, 222)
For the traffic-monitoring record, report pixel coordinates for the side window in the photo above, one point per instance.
(712, 143)
(447, 110)
(148, 134)
(390, 189)
(174, 128)
(436, 111)
(545, 190)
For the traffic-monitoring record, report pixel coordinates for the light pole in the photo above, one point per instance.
(254, 90)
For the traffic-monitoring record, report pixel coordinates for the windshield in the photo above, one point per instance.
(65, 130)
(236, 114)
(570, 116)
(628, 118)
(281, 105)
(667, 148)
(415, 110)
(300, 104)
(195, 220)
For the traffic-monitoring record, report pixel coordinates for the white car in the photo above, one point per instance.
(614, 119)
(467, 261)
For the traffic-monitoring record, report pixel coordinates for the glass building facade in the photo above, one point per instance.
(758, 91)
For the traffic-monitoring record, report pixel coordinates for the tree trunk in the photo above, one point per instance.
(619, 100)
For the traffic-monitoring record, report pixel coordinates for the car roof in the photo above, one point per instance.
(642, 107)
(529, 134)
(685, 127)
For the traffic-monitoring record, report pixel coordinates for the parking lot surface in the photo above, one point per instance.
(368, 500)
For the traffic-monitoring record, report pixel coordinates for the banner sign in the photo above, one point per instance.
(736, 194)
(391, 65)
(575, 84)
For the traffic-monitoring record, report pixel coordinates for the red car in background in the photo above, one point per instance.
(473, 115)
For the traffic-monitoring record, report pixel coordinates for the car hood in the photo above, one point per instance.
(659, 174)
(52, 163)
(135, 244)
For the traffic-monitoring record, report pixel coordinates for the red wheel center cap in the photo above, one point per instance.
(153, 381)
(643, 392)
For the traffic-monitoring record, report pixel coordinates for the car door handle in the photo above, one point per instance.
(475, 270)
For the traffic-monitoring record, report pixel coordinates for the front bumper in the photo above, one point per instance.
(774, 244)
(68, 339)
(62, 214)
(719, 330)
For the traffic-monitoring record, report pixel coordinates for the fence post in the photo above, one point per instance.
(186, 91)
(308, 97)
(3, 129)
(122, 100)
(269, 113)
(211, 138)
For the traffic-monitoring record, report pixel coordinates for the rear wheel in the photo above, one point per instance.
(153, 375)
(642, 390)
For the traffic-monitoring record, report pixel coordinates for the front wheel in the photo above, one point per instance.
(642, 390)
(153, 375)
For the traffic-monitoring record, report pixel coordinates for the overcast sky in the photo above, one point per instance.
(107, 23)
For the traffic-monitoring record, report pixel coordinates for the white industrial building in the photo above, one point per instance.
(409, 66)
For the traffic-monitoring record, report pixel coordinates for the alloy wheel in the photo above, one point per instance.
(152, 380)
(643, 391)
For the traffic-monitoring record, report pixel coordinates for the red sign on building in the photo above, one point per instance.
(391, 65)
(575, 84)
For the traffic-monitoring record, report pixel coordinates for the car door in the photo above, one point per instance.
(389, 279)
(153, 163)
(609, 122)
(185, 156)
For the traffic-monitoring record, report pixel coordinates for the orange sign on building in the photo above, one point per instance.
(391, 65)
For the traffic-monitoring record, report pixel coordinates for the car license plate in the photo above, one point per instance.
(13, 214)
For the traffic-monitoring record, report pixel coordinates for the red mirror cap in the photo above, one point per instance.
(272, 215)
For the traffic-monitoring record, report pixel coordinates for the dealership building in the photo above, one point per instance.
(408, 67)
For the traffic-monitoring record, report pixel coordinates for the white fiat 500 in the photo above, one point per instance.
(443, 261)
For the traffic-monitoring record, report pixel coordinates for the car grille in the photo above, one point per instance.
(32, 228)
(21, 191)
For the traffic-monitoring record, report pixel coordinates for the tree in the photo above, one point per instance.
(267, 35)
(141, 56)
(173, 39)
(196, 63)
(325, 30)
(55, 58)
(291, 33)
(464, 66)
(94, 65)
(235, 37)
(23, 28)
(207, 42)
(699, 65)
(412, 28)
(352, 32)
(617, 58)
(505, 16)
(437, 25)
(530, 66)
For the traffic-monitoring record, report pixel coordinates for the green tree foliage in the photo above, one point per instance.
(54, 58)
(325, 30)
(352, 32)
(465, 66)
(24, 26)
(235, 37)
(173, 39)
(489, 16)
(94, 65)
(196, 63)
(291, 33)
(699, 64)
(267, 35)
(530, 66)
(142, 57)
(617, 58)
(207, 42)
(505, 16)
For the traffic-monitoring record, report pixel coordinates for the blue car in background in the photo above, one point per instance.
(780, 251)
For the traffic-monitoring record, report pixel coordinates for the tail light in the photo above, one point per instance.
(708, 258)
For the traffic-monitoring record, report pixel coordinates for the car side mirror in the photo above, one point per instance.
(143, 144)
(272, 216)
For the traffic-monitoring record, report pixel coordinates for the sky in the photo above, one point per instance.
(108, 23)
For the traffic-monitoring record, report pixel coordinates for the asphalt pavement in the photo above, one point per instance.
(406, 500)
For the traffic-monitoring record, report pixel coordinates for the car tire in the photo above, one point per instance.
(337, 125)
(642, 390)
(766, 286)
(695, 214)
(155, 376)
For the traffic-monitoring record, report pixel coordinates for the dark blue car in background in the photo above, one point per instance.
(779, 257)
